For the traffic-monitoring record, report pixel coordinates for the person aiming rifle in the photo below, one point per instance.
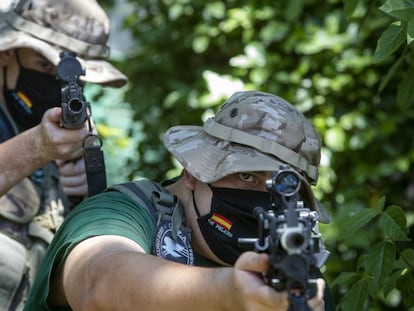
(174, 245)
(40, 167)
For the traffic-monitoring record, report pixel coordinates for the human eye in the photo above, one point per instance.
(246, 177)
(46, 66)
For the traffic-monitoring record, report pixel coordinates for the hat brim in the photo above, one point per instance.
(209, 159)
(96, 70)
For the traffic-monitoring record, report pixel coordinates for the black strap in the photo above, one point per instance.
(7, 130)
(140, 194)
(95, 170)
(94, 163)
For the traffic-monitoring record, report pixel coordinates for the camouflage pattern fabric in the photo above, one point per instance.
(252, 131)
(49, 27)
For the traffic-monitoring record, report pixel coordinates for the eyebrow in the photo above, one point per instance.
(263, 173)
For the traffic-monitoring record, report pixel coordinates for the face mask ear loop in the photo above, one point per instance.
(18, 58)
(5, 86)
(195, 206)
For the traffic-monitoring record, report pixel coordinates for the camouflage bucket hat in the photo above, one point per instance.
(49, 26)
(252, 131)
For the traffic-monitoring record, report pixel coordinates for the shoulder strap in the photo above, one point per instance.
(7, 128)
(161, 204)
(172, 239)
(140, 191)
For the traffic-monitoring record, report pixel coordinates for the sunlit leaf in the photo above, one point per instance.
(200, 44)
(335, 138)
(216, 9)
(401, 9)
(274, 31)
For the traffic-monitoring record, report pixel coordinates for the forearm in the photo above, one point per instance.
(19, 158)
(149, 283)
(21, 155)
(130, 280)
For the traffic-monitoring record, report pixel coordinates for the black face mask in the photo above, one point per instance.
(231, 217)
(35, 92)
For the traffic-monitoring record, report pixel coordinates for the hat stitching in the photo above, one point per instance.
(218, 130)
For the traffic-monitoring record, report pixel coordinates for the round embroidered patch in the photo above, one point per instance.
(166, 248)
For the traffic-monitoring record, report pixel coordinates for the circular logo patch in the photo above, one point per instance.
(166, 248)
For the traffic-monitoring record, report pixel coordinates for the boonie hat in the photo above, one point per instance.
(252, 131)
(51, 26)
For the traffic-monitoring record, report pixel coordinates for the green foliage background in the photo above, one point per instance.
(347, 65)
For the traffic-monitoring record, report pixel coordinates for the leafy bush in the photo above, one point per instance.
(347, 65)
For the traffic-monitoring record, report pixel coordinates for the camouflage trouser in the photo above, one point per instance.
(18, 268)
(13, 273)
(27, 226)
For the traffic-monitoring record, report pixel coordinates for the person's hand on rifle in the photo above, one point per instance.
(255, 294)
(47, 141)
(73, 178)
(58, 142)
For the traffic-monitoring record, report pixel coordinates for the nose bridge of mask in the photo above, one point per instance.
(18, 58)
(242, 200)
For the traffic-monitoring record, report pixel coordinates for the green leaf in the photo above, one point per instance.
(405, 94)
(407, 257)
(380, 204)
(394, 224)
(400, 9)
(357, 221)
(356, 296)
(391, 281)
(379, 263)
(390, 40)
(335, 138)
(345, 278)
(293, 9)
(410, 30)
(390, 74)
(350, 6)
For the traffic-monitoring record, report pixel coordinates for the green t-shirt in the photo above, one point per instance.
(109, 213)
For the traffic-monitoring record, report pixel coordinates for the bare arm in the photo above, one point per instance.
(113, 273)
(21, 155)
